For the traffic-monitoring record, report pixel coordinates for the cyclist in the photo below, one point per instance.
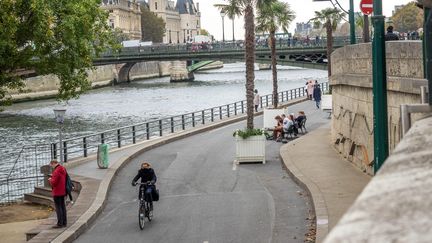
(147, 175)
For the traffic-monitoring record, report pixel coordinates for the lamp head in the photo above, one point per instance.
(59, 115)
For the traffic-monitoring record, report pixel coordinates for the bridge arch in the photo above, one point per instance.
(123, 74)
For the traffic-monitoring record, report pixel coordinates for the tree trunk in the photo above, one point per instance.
(329, 46)
(250, 63)
(274, 70)
(233, 29)
(366, 37)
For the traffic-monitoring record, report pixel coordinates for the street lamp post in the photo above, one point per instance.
(352, 23)
(381, 149)
(170, 36)
(222, 14)
(59, 115)
(178, 37)
(184, 35)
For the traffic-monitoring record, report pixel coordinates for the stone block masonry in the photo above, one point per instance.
(351, 81)
(46, 86)
(395, 205)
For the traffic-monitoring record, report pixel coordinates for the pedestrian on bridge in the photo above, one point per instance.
(58, 184)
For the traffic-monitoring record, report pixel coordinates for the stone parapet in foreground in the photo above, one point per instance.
(351, 81)
(395, 206)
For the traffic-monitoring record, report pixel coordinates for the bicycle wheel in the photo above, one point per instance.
(141, 216)
(149, 211)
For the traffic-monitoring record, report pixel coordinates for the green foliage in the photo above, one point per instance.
(119, 36)
(232, 9)
(51, 37)
(152, 26)
(249, 133)
(329, 17)
(204, 32)
(274, 16)
(409, 18)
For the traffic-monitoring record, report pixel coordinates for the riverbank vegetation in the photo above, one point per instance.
(51, 37)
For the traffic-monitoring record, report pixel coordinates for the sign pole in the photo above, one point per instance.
(381, 145)
(352, 23)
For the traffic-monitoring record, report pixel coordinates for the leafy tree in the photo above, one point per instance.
(152, 26)
(119, 36)
(51, 37)
(246, 7)
(204, 32)
(270, 18)
(409, 18)
(329, 19)
(232, 12)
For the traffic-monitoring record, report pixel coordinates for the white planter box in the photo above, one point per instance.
(251, 149)
(269, 117)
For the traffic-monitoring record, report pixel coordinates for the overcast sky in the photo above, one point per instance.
(304, 9)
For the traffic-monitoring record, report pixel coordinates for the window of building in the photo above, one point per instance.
(155, 6)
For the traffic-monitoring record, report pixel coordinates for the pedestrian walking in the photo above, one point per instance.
(317, 95)
(310, 88)
(58, 184)
(256, 100)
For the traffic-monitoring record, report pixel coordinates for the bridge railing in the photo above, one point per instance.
(25, 172)
(226, 46)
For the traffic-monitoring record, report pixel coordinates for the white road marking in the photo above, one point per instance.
(234, 165)
(205, 242)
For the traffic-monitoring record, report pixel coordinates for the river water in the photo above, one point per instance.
(111, 107)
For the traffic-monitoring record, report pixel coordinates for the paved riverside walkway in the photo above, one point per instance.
(333, 182)
(205, 198)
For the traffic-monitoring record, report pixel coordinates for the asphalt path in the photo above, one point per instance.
(204, 197)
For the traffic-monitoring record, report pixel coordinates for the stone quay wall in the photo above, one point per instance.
(351, 81)
(46, 86)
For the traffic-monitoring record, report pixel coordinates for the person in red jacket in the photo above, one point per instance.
(58, 184)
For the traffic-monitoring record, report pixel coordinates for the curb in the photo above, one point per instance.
(318, 202)
(86, 220)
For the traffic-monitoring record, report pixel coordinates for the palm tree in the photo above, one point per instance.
(246, 7)
(329, 18)
(232, 11)
(270, 18)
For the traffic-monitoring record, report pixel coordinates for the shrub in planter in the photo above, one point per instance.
(250, 145)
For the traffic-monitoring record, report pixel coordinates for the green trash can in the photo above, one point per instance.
(102, 156)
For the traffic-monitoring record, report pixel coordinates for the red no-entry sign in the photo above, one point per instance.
(366, 6)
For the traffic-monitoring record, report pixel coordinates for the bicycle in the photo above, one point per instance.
(145, 209)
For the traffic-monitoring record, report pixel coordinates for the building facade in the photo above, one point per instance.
(124, 15)
(303, 29)
(182, 19)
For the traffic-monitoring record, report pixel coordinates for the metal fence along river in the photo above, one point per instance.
(25, 173)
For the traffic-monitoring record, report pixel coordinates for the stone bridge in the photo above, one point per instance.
(304, 56)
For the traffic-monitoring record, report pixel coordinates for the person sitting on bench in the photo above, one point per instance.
(301, 120)
(278, 129)
(295, 124)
